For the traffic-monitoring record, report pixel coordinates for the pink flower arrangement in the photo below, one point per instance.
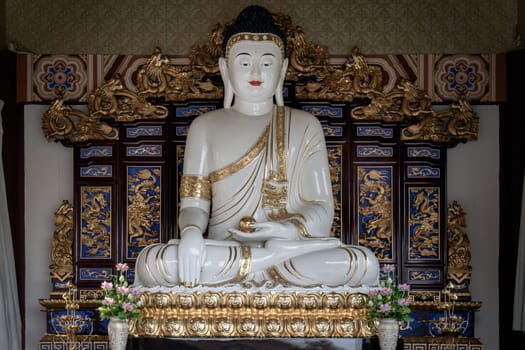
(120, 300)
(390, 299)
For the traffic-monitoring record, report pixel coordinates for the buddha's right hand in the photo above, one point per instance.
(192, 254)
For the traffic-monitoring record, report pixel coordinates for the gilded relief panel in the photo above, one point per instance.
(96, 228)
(335, 160)
(375, 220)
(424, 224)
(143, 208)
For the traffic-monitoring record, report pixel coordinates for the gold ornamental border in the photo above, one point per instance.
(253, 314)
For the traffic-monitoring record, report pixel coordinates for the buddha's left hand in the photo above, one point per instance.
(265, 231)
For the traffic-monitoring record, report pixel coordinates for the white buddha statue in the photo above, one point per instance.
(256, 178)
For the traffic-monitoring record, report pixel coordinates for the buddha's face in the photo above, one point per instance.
(254, 69)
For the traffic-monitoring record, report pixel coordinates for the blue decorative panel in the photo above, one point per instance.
(424, 275)
(96, 151)
(426, 152)
(423, 223)
(96, 171)
(324, 111)
(193, 110)
(374, 151)
(375, 220)
(181, 130)
(144, 151)
(140, 131)
(57, 322)
(95, 236)
(418, 171)
(94, 274)
(375, 131)
(332, 130)
(143, 208)
(431, 322)
(58, 284)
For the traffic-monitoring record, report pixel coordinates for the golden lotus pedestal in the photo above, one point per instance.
(257, 314)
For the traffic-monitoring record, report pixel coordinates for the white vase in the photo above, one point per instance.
(118, 333)
(388, 333)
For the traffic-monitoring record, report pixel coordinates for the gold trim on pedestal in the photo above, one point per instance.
(252, 314)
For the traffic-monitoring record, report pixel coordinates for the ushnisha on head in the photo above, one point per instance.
(254, 65)
(254, 23)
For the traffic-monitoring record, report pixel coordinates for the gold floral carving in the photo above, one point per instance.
(260, 314)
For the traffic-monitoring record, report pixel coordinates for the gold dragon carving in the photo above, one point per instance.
(111, 101)
(96, 214)
(143, 209)
(62, 244)
(315, 79)
(424, 219)
(458, 248)
(459, 123)
(375, 192)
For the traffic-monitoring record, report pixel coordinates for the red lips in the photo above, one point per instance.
(255, 83)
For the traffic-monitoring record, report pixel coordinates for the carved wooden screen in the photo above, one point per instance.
(387, 152)
(388, 191)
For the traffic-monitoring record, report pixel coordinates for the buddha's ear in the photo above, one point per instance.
(228, 89)
(279, 99)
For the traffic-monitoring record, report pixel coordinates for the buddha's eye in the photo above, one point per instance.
(244, 64)
(243, 61)
(267, 61)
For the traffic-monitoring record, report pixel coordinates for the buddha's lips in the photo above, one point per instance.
(255, 83)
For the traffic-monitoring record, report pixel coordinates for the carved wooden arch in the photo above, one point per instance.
(313, 76)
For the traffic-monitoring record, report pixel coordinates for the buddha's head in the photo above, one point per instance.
(254, 65)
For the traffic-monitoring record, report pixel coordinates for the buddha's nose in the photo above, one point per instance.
(256, 71)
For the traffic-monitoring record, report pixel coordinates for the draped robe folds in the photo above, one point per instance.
(282, 174)
(270, 181)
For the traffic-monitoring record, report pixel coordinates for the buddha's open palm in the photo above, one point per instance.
(265, 231)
